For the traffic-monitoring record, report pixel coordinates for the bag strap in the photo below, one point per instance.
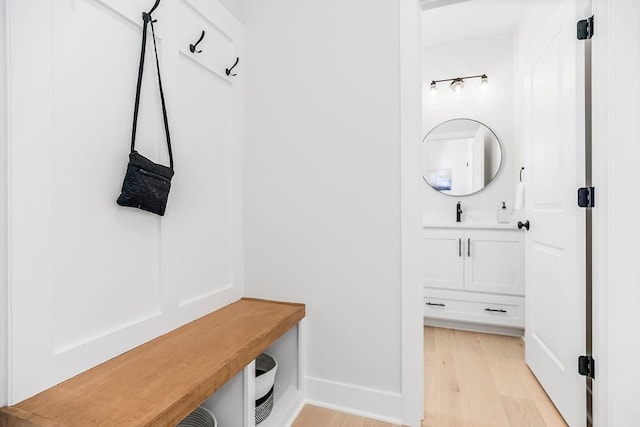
(146, 17)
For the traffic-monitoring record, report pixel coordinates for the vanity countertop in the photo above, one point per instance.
(471, 224)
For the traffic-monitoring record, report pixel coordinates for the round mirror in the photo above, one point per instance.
(460, 157)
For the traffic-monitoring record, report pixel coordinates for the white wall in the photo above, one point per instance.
(322, 188)
(3, 208)
(493, 106)
(236, 7)
(89, 279)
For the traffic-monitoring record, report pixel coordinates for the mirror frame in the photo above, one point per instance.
(500, 167)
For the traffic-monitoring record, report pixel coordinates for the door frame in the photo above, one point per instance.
(4, 308)
(616, 232)
(616, 194)
(412, 348)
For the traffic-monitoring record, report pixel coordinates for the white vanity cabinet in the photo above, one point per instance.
(474, 276)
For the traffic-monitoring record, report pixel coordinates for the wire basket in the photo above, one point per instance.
(200, 417)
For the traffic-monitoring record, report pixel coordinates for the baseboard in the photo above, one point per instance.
(294, 414)
(355, 400)
(474, 327)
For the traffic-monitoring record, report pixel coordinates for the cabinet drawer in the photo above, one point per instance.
(478, 308)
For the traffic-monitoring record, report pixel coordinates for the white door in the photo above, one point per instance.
(555, 283)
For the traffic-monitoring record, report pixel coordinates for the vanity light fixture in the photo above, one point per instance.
(457, 84)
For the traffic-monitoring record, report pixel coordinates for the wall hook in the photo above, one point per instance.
(228, 70)
(192, 47)
(146, 16)
(154, 7)
(521, 170)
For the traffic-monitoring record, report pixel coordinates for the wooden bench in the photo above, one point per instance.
(163, 380)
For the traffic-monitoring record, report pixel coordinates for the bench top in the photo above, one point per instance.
(162, 381)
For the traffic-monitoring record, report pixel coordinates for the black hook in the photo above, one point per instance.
(521, 170)
(192, 47)
(154, 7)
(146, 16)
(228, 70)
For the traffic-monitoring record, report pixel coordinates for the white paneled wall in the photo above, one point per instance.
(236, 7)
(89, 279)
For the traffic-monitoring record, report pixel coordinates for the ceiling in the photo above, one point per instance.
(449, 20)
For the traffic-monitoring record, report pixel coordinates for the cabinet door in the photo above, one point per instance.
(443, 259)
(494, 261)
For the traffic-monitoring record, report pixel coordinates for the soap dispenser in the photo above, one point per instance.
(504, 216)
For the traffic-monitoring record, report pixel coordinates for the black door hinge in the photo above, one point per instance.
(587, 366)
(585, 29)
(587, 197)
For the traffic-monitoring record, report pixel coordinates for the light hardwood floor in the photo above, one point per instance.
(471, 379)
(312, 416)
(474, 379)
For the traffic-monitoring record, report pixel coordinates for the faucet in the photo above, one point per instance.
(458, 212)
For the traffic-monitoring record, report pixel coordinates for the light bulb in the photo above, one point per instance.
(433, 88)
(457, 85)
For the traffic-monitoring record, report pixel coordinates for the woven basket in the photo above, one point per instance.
(200, 417)
(266, 367)
(264, 405)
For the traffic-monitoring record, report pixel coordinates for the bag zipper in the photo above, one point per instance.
(155, 175)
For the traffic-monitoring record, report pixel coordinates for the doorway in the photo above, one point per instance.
(528, 92)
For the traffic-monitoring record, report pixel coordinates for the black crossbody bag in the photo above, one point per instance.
(146, 184)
